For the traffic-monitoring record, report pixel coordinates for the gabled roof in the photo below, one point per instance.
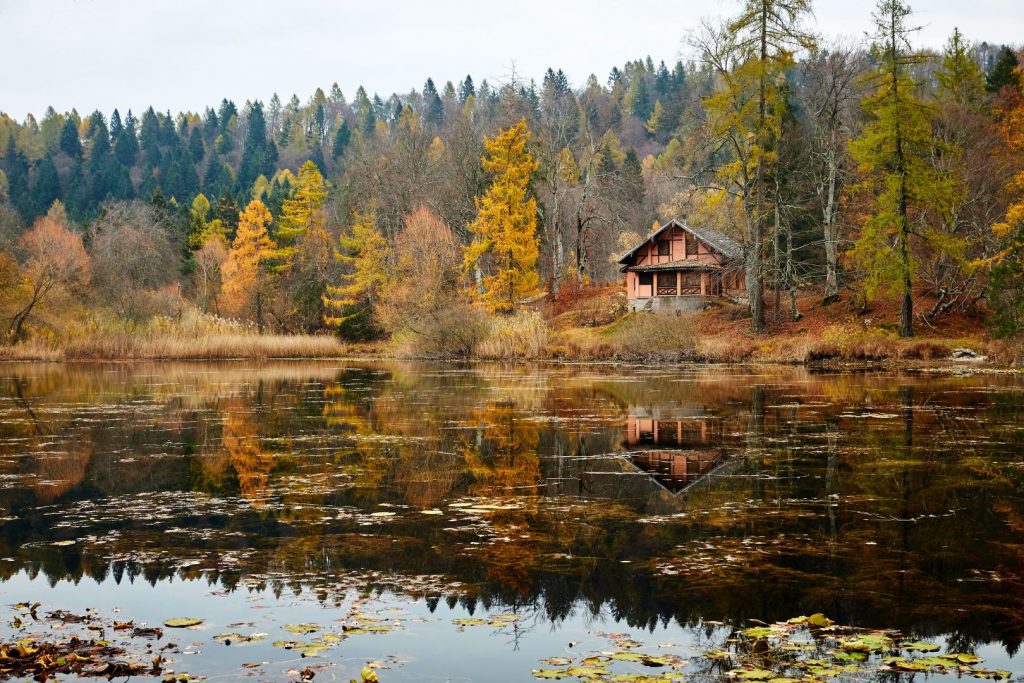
(680, 264)
(722, 243)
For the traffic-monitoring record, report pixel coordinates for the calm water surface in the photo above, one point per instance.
(584, 503)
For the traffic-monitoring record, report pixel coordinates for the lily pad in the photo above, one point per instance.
(919, 646)
(754, 674)
(300, 629)
(183, 622)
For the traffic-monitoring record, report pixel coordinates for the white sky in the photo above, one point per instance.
(187, 54)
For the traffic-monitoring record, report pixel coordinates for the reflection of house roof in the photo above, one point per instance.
(721, 242)
(681, 264)
(720, 462)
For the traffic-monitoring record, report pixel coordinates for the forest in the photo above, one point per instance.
(470, 218)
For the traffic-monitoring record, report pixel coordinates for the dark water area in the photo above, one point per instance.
(421, 502)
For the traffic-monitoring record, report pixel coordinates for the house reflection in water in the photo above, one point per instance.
(676, 451)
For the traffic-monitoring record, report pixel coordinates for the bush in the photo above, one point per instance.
(524, 335)
(649, 336)
(452, 332)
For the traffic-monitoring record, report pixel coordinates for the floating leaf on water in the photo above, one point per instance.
(628, 656)
(301, 629)
(995, 675)
(717, 654)
(182, 622)
(556, 661)
(586, 671)
(964, 658)
(550, 673)
(469, 621)
(919, 646)
(819, 620)
(626, 643)
(754, 674)
(758, 632)
(850, 656)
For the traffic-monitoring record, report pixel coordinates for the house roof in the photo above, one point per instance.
(681, 264)
(721, 242)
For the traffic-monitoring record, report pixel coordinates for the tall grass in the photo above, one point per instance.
(190, 337)
(522, 336)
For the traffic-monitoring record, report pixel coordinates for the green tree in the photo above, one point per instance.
(366, 257)
(894, 154)
(960, 78)
(1004, 71)
(750, 56)
(70, 144)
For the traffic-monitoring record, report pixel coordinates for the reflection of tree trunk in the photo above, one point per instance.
(907, 410)
(755, 431)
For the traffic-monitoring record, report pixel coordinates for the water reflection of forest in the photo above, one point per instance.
(849, 494)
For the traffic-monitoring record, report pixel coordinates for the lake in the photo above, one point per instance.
(444, 522)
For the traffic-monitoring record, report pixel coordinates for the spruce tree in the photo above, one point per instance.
(433, 108)
(70, 144)
(342, 136)
(1004, 71)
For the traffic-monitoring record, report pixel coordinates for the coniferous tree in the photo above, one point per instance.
(46, 188)
(195, 145)
(342, 136)
(466, 89)
(433, 108)
(505, 247)
(1004, 71)
(894, 154)
(70, 144)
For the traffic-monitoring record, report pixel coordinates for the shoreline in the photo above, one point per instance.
(947, 366)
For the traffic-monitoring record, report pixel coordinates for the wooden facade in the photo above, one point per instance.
(678, 267)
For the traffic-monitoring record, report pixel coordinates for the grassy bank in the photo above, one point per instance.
(189, 337)
(172, 347)
(591, 326)
(595, 327)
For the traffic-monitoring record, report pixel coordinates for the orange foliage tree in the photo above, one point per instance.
(245, 277)
(54, 260)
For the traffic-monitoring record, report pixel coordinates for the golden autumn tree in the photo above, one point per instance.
(1006, 285)
(366, 255)
(244, 273)
(304, 209)
(505, 248)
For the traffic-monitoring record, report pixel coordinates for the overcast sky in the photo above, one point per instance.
(187, 54)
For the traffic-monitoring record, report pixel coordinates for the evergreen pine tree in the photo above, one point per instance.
(433, 108)
(1004, 71)
(46, 188)
(342, 136)
(70, 144)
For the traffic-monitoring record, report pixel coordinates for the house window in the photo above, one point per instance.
(646, 279)
(664, 248)
(667, 284)
(691, 245)
(691, 283)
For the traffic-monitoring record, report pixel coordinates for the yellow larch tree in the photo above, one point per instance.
(366, 254)
(303, 210)
(505, 247)
(245, 278)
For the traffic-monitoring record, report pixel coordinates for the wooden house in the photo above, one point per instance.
(678, 268)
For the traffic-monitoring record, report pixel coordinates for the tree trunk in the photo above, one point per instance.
(829, 228)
